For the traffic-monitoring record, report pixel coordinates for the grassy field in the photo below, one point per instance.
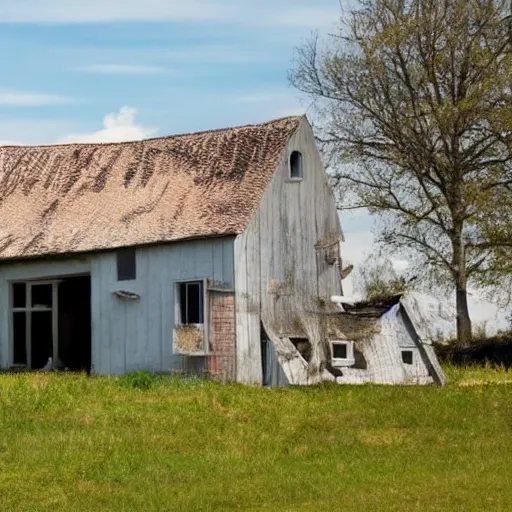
(73, 443)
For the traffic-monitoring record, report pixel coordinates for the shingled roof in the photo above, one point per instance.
(87, 197)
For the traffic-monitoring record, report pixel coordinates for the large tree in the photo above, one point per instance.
(414, 105)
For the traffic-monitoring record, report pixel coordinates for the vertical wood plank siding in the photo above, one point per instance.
(129, 335)
(276, 269)
(138, 334)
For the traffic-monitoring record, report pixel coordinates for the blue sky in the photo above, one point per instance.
(110, 70)
(179, 66)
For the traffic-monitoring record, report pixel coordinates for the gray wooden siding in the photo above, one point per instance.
(276, 259)
(382, 352)
(384, 359)
(130, 335)
(134, 335)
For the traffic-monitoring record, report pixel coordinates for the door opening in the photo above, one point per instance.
(51, 324)
(75, 323)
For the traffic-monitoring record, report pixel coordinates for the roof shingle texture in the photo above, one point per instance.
(88, 197)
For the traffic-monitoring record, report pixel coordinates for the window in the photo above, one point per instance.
(407, 356)
(339, 351)
(303, 345)
(191, 299)
(34, 311)
(342, 353)
(126, 265)
(296, 165)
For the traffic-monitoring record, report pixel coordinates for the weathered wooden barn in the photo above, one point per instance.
(212, 253)
(176, 253)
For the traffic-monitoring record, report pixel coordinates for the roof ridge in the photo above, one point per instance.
(163, 137)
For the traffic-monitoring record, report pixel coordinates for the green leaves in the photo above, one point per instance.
(415, 109)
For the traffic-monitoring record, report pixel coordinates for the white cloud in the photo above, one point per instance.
(117, 127)
(122, 69)
(289, 13)
(30, 99)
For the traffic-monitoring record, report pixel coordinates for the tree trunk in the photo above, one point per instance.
(464, 331)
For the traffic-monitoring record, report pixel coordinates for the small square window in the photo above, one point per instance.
(339, 351)
(407, 356)
(126, 265)
(342, 353)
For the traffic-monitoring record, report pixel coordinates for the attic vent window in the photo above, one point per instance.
(407, 356)
(296, 172)
(126, 265)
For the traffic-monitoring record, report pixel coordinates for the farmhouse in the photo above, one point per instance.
(214, 253)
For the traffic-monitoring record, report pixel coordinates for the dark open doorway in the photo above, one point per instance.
(75, 323)
(51, 324)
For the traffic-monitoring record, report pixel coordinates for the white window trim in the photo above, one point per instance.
(177, 316)
(28, 309)
(338, 361)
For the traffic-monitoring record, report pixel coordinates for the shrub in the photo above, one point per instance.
(140, 380)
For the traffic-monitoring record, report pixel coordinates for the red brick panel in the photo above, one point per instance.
(221, 361)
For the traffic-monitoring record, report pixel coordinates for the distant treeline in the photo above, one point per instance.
(496, 350)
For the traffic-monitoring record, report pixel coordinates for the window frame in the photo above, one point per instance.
(28, 309)
(177, 313)
(402, 351)
(201, 301)
(123, 252)
(346, 361)
(300, 177)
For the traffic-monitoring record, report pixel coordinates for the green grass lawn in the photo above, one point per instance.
(73, 443)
